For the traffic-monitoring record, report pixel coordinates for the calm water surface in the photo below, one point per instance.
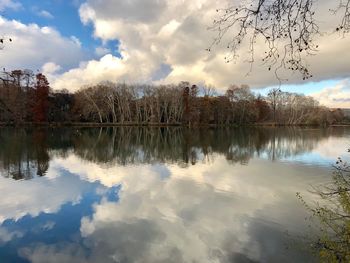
(160, 195)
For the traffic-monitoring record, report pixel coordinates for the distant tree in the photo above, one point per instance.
(60, 106)
(241, 98)
(273, 97)
(15, 86)
(41, 95)
(263, 109)
(209, 90)
(221, 110)
(186, 103)
(91, 104)
(25, 98)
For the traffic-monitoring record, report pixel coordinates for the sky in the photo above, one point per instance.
(76, 43)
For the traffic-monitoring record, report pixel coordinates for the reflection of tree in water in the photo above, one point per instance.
(129, 145)
(296, 142)
(25, 153)
(40, 151)
(186, 146)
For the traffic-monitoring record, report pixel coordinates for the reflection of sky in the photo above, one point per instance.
(209, 212)
(311, 159)
(52, 226)
(324, 154)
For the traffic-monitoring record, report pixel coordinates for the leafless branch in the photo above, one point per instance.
(287, 27)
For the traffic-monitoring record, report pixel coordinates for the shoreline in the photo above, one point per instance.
(160, 125)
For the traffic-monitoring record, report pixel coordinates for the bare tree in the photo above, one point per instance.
(331, 216)
(240, 98)
(92, 97)
(209, 90)
(288, 28)
(273, 96)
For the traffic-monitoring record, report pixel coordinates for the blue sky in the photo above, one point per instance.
(63, 15)
(82, 42)
(308, 88)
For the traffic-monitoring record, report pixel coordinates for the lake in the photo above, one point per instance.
(161, 194)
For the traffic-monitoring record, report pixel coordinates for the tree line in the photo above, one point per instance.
(26, 97)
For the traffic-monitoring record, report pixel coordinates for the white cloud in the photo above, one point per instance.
(337, 96)
(110, 68)
(76, 40)
(33, 46)
(9, 4)
(174, 33)
(6, 235)
(50, 68)
(45, 14)
(101, 51)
